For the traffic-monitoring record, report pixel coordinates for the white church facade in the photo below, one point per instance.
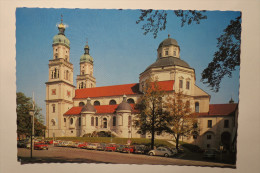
(74, 111)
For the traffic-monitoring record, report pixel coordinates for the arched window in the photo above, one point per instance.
(92, 121)
(64, 120)
(112, 102)
(114, 120)
(96, 121)
(197, 107)
(96, 103)
(81, 104)
(71, 121)
(53, 122)
(130, 101)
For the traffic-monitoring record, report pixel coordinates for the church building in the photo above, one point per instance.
(81, 109)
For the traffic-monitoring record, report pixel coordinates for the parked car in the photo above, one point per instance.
(128, 149)
(161, 151)
(40, 146)
(92, 146)
(22, 143)
(111, 147)
(83, 145)
(101, 146)
(141, 149)
(119, 147)
(210, 153)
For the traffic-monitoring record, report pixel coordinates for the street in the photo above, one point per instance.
(75, 155)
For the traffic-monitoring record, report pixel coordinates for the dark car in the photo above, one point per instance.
(141, 149)
(119, 148)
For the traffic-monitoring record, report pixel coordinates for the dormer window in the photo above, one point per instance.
(166, 52)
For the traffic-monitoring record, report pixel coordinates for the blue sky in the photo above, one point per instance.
(117, 44)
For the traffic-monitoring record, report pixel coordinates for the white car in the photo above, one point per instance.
(161, 151)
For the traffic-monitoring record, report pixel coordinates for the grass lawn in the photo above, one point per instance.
(114, 140)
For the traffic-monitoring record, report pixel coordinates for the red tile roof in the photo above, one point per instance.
(220, 109)
(74, 111)
(100, 109)
(117, 90)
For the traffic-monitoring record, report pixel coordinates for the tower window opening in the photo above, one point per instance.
(130, 101)
(92, 121)
(81, 104)
(166, 52)
(53, 108)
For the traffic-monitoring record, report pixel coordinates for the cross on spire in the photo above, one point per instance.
(61, 18)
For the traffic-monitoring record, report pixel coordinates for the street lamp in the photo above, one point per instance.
(31, 113)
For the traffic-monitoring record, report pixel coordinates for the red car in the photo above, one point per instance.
(111, 147)
(83, 145)
(40, 146)
(128, 149)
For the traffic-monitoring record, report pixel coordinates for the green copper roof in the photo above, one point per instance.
(86, 58)
(61, 39)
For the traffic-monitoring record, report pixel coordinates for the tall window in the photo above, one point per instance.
(181, 83)
(166, 52)
(104, 123)
(64, 121)
(209, 123)
(71, 121)
(53, 108)
(114, 120)
(53, 122)
(112, 102)
(96, 121)
(187, 85)
(197, 107)
(208, 137)
(79, 121)
(92, 121)
(226, 123)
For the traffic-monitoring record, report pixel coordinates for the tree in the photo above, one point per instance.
(182, 122)
(157, 19)
(151, 117)
(225, 59)
(24, 125)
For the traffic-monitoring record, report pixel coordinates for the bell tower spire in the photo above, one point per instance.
(86, 78)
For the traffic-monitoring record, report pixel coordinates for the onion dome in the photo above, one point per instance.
(60, 38)
(88, 107)
(124, 105)
(86, 57)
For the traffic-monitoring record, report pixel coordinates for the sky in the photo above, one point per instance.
(117, 44)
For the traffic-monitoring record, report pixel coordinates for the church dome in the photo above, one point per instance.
(168, 61)
(124, 105)
(88, 107)
(167, 42)
(61, 39)
(86, 58)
